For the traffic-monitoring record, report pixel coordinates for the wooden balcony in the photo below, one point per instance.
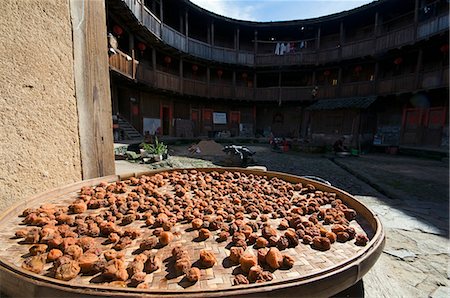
(358, 48)
(194, 87)
(296, 93)
(244, 93)
(433, 26)
(123, 64)
(395, 38)
(167, 81)
(174, 38)
(357, 89)
(267, 94)
(151, 22)
(405, 83)
(434, 78)
(221, 91)
(329, 51)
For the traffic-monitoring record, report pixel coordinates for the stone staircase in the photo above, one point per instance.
(129, 131)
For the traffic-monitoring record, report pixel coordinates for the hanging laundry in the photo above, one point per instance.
(282, 49)
(302, 44)
(277, 49)
(292, 47)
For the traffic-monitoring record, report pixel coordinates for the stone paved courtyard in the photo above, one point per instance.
(410, 195)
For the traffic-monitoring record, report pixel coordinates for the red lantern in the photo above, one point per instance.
(244, 76)
(167, 60)
(194, 68)
(358, 69)
(117, 30)
(142, 46)
(398, 61)
(444, 49)
(326, 73)
(219, 73)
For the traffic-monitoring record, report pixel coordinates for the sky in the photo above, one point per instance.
(277, 10)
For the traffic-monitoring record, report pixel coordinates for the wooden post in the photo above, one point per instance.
(256, 42)
(416, 18)
(181, 75)
(318, 38)
(212, 33)
(341, 38)
(91, 75)
(279, 88)
(208, 79)
(234, 82)
(254, 85)
(154, 59)
(186, 28)
(161, 11)
(418, 68)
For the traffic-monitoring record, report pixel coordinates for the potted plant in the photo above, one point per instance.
(158, 150)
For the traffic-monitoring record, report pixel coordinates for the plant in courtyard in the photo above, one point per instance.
(158, 148)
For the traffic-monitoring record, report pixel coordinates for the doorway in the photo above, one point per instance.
(165, 120)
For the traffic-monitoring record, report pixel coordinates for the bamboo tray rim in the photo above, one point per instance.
(372, 246)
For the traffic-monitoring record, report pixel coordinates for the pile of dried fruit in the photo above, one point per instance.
(91, 235)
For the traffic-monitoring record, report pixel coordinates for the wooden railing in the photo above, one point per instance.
(387, 40)
(167, 81)
(151, 22)
(395, 38)
(267, 94)
(244, 93)
(123, 64)
(357, 89)
(199, 49)
(194, 87)
(398, 84)
(158, 79)
(296, 93)
(358, 48)
(174, 38)
(221, 91)
(223, 55)
(434, 78)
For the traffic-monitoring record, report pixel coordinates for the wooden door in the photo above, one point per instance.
(207, 122)
(433, 125)
(235, 120)
(166, 119)
(195, 118)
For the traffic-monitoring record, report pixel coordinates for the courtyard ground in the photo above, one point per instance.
(410, 196)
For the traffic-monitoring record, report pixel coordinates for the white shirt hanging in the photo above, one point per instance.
(277, 49)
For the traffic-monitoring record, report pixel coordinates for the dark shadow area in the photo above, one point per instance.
(355, 291)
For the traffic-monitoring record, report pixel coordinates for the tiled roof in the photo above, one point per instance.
(343, 103)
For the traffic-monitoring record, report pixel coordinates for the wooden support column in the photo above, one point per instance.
(418, 69)
(339, 83)
(92, 87)
(256, 42)
(208, 80)
(314, 78)
(279, 88)
(212, 33)
(154, 59)
(234, 82)
(341, 38)
(161, 11)
(186, 28)
(416, 18)
(318, 38)
(236, 44)
(254, 85)
(181, 75)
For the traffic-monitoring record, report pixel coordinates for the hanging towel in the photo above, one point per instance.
(282, 49)
(277, 49)
(302, 44)
(288, 47)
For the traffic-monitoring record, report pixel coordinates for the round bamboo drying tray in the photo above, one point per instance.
(315, 273)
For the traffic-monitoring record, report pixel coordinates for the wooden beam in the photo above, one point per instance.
(91, 74)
